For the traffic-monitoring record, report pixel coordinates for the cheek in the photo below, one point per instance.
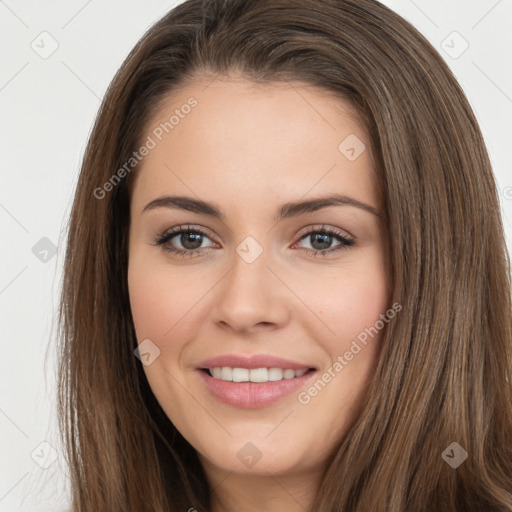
(350, 302)
(153, 305)
(354, 311)
(360, 305)
(148, 300)
(159, 297)
(166, 308)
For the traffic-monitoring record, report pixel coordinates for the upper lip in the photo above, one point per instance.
(254, 361)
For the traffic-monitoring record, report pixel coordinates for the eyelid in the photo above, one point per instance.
(175, 230)
(325, 227)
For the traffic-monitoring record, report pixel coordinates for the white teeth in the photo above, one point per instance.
(240, 374)
(226, 373)
(275, 374)
(216, 372)
(255, 374)
(258, 375)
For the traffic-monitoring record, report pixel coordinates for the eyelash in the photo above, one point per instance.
(166, 236)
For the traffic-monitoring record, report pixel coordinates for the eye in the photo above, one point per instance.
(190, 241)
(321, 239)
(189, 238)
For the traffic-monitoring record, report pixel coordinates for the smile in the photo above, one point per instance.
(236, 387)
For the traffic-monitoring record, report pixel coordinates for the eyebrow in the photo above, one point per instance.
(287, 210)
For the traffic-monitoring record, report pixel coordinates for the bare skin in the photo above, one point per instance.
(249, 149)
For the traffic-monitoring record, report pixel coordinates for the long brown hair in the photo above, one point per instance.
(444, 370)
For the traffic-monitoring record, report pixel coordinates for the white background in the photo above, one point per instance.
(47, 110)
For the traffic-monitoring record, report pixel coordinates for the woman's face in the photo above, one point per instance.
(270, 266)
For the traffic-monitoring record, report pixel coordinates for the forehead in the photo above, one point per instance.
(231, 135)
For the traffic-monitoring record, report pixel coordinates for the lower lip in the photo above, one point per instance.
(252, 395)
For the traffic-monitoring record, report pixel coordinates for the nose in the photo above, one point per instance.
(251, 297)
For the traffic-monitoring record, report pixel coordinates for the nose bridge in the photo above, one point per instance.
(249, 293)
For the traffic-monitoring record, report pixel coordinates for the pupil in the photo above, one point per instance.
(323, 238)
(191, 240)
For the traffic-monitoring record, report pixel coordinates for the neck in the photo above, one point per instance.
(232, 492)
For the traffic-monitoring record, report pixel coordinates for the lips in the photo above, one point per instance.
(253, 395)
